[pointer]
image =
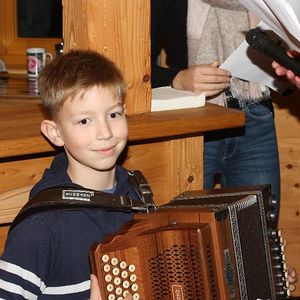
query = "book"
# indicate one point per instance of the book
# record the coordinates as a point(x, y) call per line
point(168, 98)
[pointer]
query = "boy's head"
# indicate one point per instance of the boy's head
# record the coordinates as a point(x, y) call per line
point(74, 73)
point(84, 93)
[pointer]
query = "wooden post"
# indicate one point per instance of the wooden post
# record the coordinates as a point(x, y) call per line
point(120, 30)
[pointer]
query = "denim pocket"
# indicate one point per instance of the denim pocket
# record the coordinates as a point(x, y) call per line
point(262, 110)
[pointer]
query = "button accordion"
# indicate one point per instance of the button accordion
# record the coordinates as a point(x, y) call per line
point(220, 244)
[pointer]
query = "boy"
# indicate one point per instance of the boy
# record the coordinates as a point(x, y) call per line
point(46, 254)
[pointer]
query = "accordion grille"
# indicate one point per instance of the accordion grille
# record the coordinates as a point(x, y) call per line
point(181, 265)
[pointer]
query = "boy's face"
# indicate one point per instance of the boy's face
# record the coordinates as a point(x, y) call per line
point(93, 129)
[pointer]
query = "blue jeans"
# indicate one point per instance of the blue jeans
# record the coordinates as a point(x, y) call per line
point(245, 156)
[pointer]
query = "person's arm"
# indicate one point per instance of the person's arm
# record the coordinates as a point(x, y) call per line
point(28, 250)
point(168, 32)
point(282, 71)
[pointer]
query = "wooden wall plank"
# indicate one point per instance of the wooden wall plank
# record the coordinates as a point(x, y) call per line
point(120, 30)
point(287, 118)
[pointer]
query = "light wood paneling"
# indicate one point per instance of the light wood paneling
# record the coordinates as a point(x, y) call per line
point(120, 30)
point(287, 118)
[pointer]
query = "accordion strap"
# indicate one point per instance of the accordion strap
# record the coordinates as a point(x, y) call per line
point(71, 198)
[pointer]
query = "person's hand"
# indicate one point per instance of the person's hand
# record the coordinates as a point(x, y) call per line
point(292, 274)
point(281, 71)
point(292, 278)
point(95, 290)
point(208, 79)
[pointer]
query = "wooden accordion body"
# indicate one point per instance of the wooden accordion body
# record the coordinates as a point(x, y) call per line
point(201, 245)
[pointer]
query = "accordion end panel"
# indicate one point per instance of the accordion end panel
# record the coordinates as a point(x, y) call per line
point(165, 263)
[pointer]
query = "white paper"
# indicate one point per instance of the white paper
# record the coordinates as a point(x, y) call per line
point(167, 98)
point(249, 64)
point(280, 16)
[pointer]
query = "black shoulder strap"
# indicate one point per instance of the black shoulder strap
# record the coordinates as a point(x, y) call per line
point(68, 198)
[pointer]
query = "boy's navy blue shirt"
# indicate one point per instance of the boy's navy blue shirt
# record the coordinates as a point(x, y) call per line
point(46, 254)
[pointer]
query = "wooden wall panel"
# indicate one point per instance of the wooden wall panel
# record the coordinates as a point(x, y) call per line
point(120, 30)
point(167, 172)
point(287, 118)
point(3, 233)
point(17, 178)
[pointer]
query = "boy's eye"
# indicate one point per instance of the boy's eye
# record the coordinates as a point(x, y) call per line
point(83, 121)
point(115, 115)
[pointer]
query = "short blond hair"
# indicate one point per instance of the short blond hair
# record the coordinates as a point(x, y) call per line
point(74, 73)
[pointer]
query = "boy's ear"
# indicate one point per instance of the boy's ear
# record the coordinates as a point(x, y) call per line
point(51, 131)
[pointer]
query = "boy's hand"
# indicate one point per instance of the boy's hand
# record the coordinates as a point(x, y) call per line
point(292, 278)
point(95, 290)
point(292, 274)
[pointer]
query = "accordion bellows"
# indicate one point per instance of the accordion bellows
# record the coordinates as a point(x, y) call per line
point(218, 244)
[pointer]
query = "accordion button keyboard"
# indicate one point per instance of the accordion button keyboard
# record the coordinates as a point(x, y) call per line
point(120, 278)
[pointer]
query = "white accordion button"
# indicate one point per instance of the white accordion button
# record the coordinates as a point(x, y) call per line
point(105, 258)
point(114, 261)
point(125, 284)
point(136, 296)
point(132, 277)
point(125, 293)
point(123, 264)
point(124, 274)
point(116, 271)
point(117, 280)
point(134, 287)
point(111, 297)
point(131, 268)
point(108, 278)
point(119, 291)
point(106, 268)
point(110, 287)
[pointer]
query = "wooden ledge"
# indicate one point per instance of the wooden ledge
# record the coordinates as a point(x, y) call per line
point(20, 125)
point(193, 121)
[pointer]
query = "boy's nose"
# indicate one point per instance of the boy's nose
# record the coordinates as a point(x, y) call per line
point(103, 131)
